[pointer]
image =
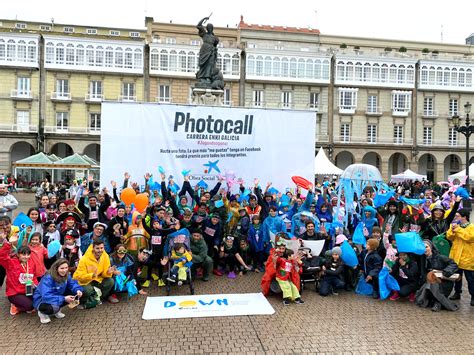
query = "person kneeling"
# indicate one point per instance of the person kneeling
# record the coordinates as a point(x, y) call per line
point(94, 272)
point(285, 264)
point(56, 289)
point(332, 274)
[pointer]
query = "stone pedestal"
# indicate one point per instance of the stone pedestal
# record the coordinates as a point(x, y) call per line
point(208, 97)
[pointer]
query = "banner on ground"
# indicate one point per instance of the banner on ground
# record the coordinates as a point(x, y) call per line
point(206, 306)
point(272, 145)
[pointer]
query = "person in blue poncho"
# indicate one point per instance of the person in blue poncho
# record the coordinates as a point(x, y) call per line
point(298, 223)
point(259, 247)
point(369, 219)
point(56, 289)
point(273, 224)
point(324, 213)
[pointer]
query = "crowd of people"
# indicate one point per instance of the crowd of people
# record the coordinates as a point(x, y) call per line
point(80, 248)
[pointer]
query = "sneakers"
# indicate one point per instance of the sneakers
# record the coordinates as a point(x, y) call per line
point(205, 278)
point(161, 283)
point(334, 292)
point(59, 315)
point(146, 284)
point(299, 301)
point(375, 295)
point(180, 283)
point(231, 275)
point(113, 299)
point(412, 297)
point(395, 296)
point(217, 272)
point(44, 318)
point(154, 277)
point(472, 301)
point(456, 296)
point(171, 279)
point(286, 302)
point(199, 272)
point(436, 307)
point(13, 310)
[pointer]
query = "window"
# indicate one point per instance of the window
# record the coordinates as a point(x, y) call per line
point(164, 91)
point(62, 121)
point(45, 28)
point(24, 86)
point(11, 50)
point(128, 92)
point(114, 33)
point(59, 53)
point(428, 106)
point(94, 122)
point(70, 54)
point(401, 102)
point(195, 42)
point(62, 88)
point(345, 133)
point(313, 99)
point(68, 29)
point(135, 34)
point(23, 121)
point(427, 135)
point(347, 100)
point(453, 107)
point(95, 89)
point(257, 98)
point(286, 97)
point(91, 31)
point(371, 133)
point(20, 26)
point(453, 137)
point(372, 104)
point(170, 40)
point(398, 134)
point(227, 97)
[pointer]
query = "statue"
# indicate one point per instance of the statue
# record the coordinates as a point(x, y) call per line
point(208, 75)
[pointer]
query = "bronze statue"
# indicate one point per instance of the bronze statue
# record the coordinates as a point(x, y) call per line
point(208, 75)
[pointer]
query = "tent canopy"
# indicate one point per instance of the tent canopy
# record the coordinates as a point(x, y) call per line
point(407, 175)
point(323, 165)
point(462, 173)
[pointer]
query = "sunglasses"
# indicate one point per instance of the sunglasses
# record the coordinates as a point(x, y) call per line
point(121, 251)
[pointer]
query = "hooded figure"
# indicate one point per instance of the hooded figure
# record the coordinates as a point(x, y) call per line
point(437, 224)
point(136, 237)
point(369, 218)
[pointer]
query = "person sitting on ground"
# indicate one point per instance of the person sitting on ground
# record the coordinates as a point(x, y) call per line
point(21, 275)
point(200, 258)
point(56, 289)
point(181, 260)
point(405, 271)
point(94, 271)
point(372, 264)
point(332, 274)
point(125, 263)
point(230, 258)
point(434, 290)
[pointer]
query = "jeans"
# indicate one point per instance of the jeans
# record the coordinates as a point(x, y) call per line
point(329, 283)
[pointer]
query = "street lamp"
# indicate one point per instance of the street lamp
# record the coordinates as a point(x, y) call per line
point(467, 129)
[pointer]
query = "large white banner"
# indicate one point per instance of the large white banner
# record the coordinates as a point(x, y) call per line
point(221, 305)
point(272, 145)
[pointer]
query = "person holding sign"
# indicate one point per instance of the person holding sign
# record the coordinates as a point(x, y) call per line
point(21, 276)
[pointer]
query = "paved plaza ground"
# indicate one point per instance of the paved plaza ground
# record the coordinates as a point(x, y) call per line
point(338, 324)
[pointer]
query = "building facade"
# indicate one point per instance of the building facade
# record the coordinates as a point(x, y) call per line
point(382, 102)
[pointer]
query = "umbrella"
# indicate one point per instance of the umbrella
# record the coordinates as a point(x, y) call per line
point(362, 172)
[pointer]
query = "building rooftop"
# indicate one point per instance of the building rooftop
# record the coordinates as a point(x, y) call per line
point(248, 26)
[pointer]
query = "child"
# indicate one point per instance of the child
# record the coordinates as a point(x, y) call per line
point(390, 250)
point(38, 253)
point(71, 252)
point(405, 271)
point(372, 264)
point(257, 244)
point(333, 272)
point(181, 259)
point(285, 264)
point(229, 255)
point(244, 252)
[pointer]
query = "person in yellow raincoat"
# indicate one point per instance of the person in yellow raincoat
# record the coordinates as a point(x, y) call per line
point(461, 233)
point(137, 237)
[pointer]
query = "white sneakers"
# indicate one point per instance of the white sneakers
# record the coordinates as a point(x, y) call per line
point(44, 318)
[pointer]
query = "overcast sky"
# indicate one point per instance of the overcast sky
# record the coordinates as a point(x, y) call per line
point(421, 20)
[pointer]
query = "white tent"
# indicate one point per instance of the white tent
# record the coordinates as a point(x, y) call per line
point(407, 175)
point(323, 165)
point(462, 173)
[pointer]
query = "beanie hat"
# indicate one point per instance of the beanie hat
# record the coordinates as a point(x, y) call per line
point(336, 250)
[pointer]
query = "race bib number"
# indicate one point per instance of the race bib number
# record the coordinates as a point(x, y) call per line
point(94, 215)
point(287, 267)
point(414, 228)
point(302, 230)
point(210, 231)
point(25, 278)
point(156, 240)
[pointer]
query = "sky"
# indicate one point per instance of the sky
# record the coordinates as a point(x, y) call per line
point(418, 20)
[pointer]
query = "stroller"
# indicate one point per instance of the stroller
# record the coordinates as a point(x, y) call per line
point(181, 236)
point(311, 268)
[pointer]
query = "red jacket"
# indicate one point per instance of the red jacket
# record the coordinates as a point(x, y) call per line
point(15, 271)
point(270, 274)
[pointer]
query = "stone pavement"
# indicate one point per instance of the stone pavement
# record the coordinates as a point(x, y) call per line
point(338, 324)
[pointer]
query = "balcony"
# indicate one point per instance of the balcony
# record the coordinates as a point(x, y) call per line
point(94, 98)
point(347, 110)
point(21, 95)
point(379, 140)
point(164, 100)
point(72, 130)
point(317, 107)
point(400, 112)
point(286, 105)
point(430, 114)
point(61, 96)
point(126, 98)
point(443, 143)
point(21, 128)
point(374, 111)
point(257, 104)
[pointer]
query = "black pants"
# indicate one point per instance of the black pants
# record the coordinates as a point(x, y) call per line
point(230, 261)
point(406, 287)
point(469, 275)
point(155, 262)
point(2, 275)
